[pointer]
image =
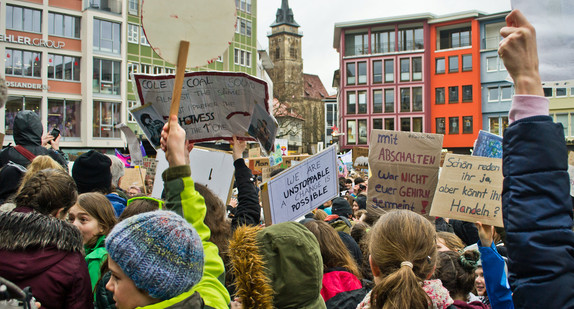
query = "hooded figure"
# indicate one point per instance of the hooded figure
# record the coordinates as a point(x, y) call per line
point(277, 267)
point(28, 134)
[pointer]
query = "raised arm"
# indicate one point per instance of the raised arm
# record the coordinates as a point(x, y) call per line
point(248, 211)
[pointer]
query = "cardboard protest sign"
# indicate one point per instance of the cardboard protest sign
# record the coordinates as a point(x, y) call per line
point(208, 26)
point(133, 177)
point(302, 188)
point(488, 145)
point(404, 169)
point(257, 164)
point(213, 106)
point(254, 152)
point(211, 168)
point(470, 189)
point(360, 157)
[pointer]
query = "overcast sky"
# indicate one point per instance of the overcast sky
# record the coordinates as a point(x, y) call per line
point(317, 19)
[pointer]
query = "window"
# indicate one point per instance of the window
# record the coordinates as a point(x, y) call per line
point(411, 39)
point(439, 95)
point(377, 101)
point(389, 100)
point(466, 63)
point(563, 119)
point(248, 6)
point(389, 71)
point(133, 68)
point(467, 125)
point(362, 102)
point(493, 94)
point(16, 104)
point(440, 129)
point(417, 124)
point(133, 7)
point(145, 68)
point(64, 25)
point(331, 115)
point(572, 92)
point(453, 64)
point(351, 131)
point(131, 105)
point(362, 131)
point(467, 93)
point(244, 5)
point(248, 30)
point(351, 73)
point(107, 75)
point(242, 57)
point(356, 44)
point(405, 69)
point(362, 73)
point(496, 124)
point(106, 116)
point(23, 63)
point(63, 67)
point(377, 124)
point(501, 66)
point(547, 92)
point(157, 70)
point(170, 71)
point(133, 33)
point(506, 93)
point(405, 99)
point(389, 123)
point(452, 125)
point(406, 124)
point(453, 94)
point(23, 19)
point(143, 39)
point(440, 65)
point(491, 64)
point(243, 26)
point(377, 72)
point(351, 102)
point(560, 92)
point(107, 36)
point(417, 99)
point(492, 35)
point(383, 42)
point(454, 38)
point(417, 68)
point(65, 115)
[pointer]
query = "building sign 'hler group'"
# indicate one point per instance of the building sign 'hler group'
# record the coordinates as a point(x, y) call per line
point(24, 40)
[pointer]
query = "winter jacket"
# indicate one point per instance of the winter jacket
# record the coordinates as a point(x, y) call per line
point(248, 211)
point(279, 266)
point(95, 257)
point(104, 299)
point(496, 282)
point(338, 280)
point(184, 200)
point(46, 254)
point(350, 299)
point(118, 202)
point(28, 134)
point(537, 213)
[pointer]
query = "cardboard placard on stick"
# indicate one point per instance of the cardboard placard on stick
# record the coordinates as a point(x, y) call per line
point(179, 74)
point(404, 169)
point(301, 188)
point(133, 177)
point(470, 189)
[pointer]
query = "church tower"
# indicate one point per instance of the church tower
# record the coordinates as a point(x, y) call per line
point(285, 52)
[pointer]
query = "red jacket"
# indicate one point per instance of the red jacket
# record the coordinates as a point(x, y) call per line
point(335, 282)
point(46, 254)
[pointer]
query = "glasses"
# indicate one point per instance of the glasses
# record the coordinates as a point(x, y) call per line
point(159, 202)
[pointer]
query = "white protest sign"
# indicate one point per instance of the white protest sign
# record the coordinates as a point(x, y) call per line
point(571, 174)
point(213, 169)
point(213, 106)
point(301, 188)
point(208, 26)
point(469, 189)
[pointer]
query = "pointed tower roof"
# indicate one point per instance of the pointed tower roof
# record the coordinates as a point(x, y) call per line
point(285, 16)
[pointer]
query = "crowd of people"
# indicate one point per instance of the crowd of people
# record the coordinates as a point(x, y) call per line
point(78, 241)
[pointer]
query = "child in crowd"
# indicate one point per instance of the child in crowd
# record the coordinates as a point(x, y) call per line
point(94, 216)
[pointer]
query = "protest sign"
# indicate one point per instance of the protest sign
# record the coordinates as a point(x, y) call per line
point(283, 145)
point(266, 172)
point(276, 157)
point(347, 159)
point(302, 188)
point(133, 144)
point(469, 189)
point(214, 106)
point(211, 168)
point(488, 145)
point(254, 152)
point(571, 174)
point(404, 169)
point(257, 164)
point(133, 177)
point(360, 157)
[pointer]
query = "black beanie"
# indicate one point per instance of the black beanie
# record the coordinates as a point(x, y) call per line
point(91, 172)
point(361, 201)
point(341, 207)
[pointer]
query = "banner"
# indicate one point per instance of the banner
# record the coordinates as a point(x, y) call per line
point(404, 169)
point(470, 189)
point(213, 106)
point(301, 188)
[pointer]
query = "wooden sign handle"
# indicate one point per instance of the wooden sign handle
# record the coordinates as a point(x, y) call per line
point(179, 75)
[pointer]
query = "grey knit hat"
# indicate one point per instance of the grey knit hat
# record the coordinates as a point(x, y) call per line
point(159, 251)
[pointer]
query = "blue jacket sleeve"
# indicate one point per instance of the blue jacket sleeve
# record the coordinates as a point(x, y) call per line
point(497, 287)
point(537, 212)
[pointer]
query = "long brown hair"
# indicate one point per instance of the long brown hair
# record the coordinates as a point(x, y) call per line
point(99, 207)
point(216, 220)
point(402, 236)
point(333, 250)
point(451, 241)
point(456, 271)
point(47, 191)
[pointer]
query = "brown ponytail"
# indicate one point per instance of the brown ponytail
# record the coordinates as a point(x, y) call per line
point(401, 238)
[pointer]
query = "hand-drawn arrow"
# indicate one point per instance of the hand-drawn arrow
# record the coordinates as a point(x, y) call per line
point(206, 127)
point(210, 174)
point(246, 114)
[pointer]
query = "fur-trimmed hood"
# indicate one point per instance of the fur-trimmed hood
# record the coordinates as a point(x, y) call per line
point(279, 266)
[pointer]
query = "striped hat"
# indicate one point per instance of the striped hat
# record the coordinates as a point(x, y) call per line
point(159, 251)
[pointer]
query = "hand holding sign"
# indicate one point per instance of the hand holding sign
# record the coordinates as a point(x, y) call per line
point(174, 143)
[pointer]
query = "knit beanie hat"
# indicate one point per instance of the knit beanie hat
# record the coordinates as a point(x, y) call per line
point(341, 207)
point(159, 251)
point(91, 172)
